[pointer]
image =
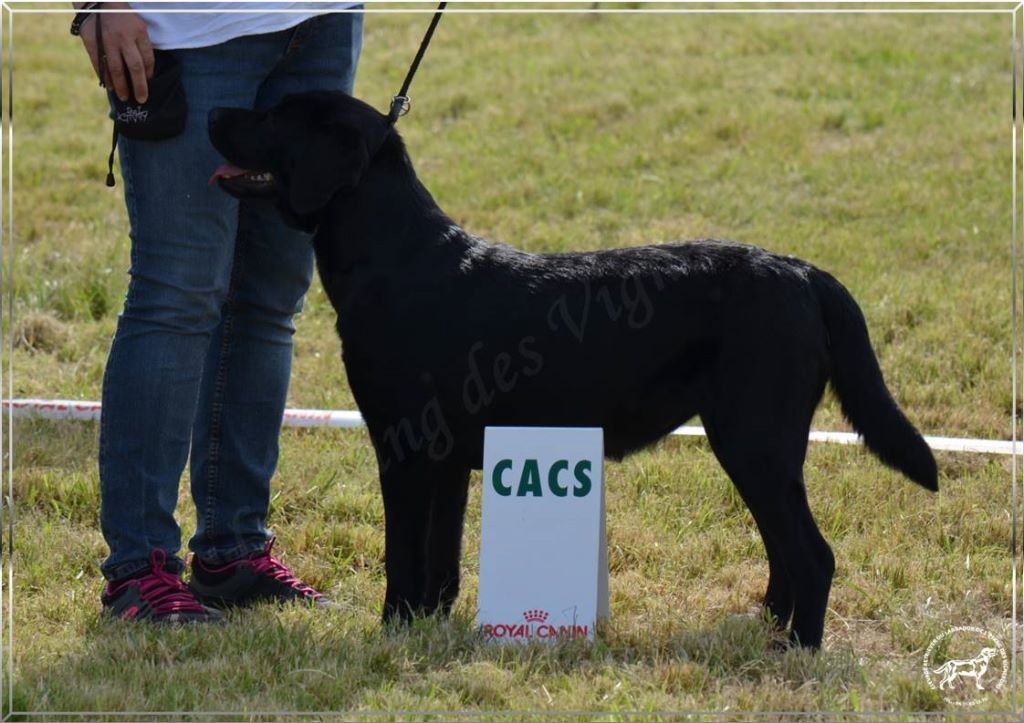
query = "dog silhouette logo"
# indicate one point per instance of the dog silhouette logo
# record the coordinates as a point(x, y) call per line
point(975, 668)
point(964, 663)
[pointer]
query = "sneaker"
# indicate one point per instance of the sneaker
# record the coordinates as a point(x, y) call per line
point(257, 578)
point(155, 595)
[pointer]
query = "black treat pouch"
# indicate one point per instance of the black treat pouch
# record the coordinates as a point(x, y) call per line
point(163, 114)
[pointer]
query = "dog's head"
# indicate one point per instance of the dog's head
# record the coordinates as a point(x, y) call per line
point(302, 152)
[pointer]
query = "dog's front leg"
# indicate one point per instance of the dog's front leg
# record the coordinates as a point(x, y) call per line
point(444, 537)
point(407, 496)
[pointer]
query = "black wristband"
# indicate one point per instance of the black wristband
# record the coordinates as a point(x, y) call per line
point(81, 16)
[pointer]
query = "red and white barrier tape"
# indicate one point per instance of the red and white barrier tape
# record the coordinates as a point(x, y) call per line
point(65, 409)
point(68, 409)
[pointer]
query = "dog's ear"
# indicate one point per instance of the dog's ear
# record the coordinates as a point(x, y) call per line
point(333, 160)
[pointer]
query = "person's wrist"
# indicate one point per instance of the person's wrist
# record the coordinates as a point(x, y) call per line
point(85, 11)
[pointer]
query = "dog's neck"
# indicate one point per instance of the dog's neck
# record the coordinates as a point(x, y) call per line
point(388, 218)
point(387, 221)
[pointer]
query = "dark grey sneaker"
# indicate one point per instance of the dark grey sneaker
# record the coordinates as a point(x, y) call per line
point(257, 578)
point(155, 596)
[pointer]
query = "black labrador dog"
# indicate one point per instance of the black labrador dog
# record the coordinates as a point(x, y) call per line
point(444, 333)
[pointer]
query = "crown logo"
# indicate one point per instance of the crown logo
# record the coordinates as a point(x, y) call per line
point(535, 616)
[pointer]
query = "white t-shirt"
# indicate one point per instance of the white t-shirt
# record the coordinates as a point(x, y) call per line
point(200, 29)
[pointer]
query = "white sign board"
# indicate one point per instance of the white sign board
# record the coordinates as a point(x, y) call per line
point(543, 554)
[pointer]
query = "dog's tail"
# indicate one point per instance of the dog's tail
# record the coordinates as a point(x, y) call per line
point(862, 393)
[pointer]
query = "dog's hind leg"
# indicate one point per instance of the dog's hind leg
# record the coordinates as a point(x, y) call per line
point(764, 458)
point(812, 579)
point(444, 539)
point(800, 562)
point(778, 598)
point(808, 558)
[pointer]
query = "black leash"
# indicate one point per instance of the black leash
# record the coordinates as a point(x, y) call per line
point(102, 57)
point(400, 103)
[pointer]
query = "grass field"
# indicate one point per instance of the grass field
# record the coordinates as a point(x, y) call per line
point(877, 147)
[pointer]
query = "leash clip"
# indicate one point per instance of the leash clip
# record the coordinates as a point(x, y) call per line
point(400, 105)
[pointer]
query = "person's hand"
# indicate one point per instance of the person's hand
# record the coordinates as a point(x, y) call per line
point(127, 48)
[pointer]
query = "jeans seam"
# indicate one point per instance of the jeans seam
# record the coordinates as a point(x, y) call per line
point(103, 453)
point(105, 418)
point(131, 205)
point(217, 403)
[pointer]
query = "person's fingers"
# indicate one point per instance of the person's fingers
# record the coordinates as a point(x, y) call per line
point(115, 67)
point(136, 70)
point(146, 51)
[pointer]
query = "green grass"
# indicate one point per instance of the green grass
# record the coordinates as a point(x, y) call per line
point(876, 147)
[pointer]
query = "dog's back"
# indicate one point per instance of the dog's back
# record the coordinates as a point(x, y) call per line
point(663, 332)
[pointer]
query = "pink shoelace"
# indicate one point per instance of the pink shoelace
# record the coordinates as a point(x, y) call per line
point(164, 591)
point(265, 563)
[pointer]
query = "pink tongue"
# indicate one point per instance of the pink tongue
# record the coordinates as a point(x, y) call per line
point(226, 171)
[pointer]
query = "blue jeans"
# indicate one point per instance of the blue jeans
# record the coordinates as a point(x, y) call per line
point(202, 352)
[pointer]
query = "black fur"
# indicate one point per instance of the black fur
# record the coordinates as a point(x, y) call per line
point(444, 333)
